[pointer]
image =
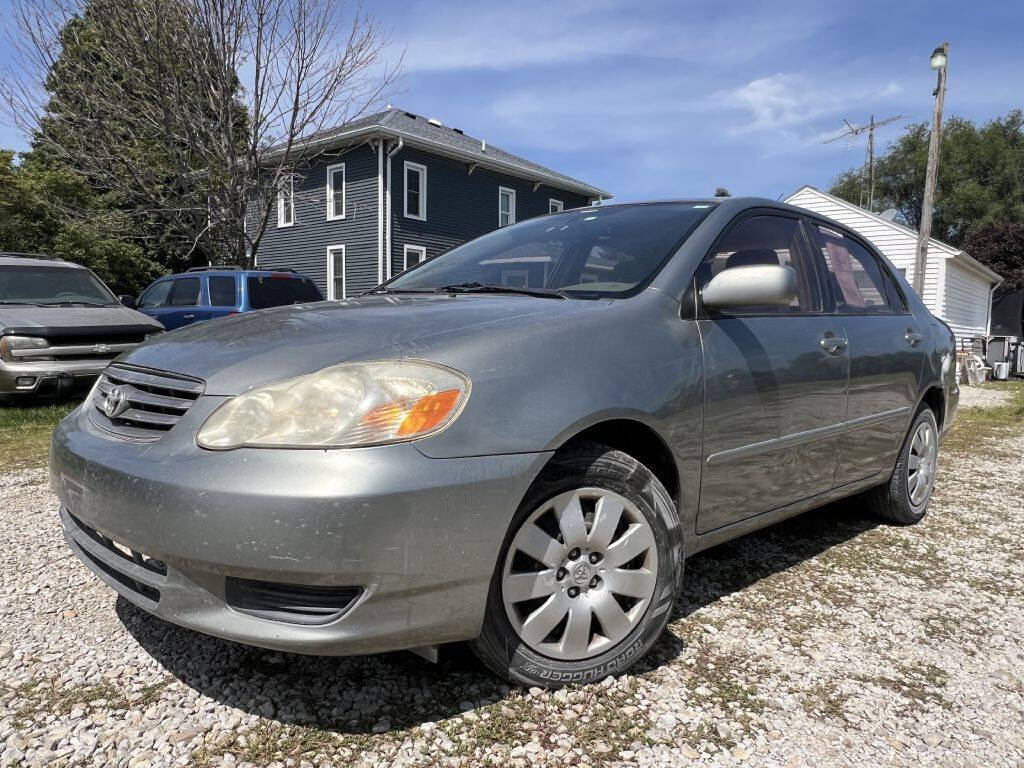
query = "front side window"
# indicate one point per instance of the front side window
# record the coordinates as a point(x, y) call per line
point(156, 295)
point(555, 206)
point(769, 240)
point(506, 206)
point(584, 253)
point(185, 292)
point(336, 191)
point(222, 290)
point(855, 274)
point(415, 191)
point(286, 202)
point(31, 284)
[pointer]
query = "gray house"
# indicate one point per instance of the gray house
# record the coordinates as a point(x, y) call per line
point(394, 188)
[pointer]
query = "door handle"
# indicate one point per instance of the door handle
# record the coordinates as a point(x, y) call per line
point(912, 337)
point(187, 317)
point(833, 344)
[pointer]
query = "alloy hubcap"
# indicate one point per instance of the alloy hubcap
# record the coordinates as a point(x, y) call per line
point(922, 463)
point(580, 574)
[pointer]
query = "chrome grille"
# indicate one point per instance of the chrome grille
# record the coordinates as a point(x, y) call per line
point(148, 403)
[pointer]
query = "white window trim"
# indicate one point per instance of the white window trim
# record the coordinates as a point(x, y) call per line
point(418, 249)
point(421, 214)
point(555, 206)
point(330, 273)
point(331, 170)
point(511, 208)
point(281, 223)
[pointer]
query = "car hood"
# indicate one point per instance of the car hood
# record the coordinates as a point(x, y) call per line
point(236, 353)
point(71, 320)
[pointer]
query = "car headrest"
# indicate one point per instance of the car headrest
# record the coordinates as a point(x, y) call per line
point(751, 257)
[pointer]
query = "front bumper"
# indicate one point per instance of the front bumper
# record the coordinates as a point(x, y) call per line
point(418, 536)
point(48, 376)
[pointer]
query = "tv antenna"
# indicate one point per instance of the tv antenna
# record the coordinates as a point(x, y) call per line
point(856, 130)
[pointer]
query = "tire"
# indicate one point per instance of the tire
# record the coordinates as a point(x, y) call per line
point(594, 481)
point(901, 501)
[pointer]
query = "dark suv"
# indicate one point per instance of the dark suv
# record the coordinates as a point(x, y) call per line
point(204, 293)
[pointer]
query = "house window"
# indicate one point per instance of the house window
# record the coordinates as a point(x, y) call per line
point(336, 273)
point(286, 202)
point(336, 191)
point(412, 255)
point(555, 206)
point(506, 206)
point(415, 191)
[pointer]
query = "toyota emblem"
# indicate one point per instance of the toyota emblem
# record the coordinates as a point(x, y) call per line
point(116, 402)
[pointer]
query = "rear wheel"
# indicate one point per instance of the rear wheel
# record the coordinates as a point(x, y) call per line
point(904, 499)
point(587, 574)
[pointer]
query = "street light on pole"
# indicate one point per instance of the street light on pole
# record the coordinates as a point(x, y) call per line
point(939, 61)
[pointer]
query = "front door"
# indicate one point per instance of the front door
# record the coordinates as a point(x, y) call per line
point(886, 352)
point(775, 382)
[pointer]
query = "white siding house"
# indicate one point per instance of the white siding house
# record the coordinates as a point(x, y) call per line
point(957, 288)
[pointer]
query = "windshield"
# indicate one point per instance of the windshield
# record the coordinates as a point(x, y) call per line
point(604, 251)
point(27, 284)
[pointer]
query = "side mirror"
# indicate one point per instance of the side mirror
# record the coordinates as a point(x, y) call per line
point(128, 301)
point(757, 285)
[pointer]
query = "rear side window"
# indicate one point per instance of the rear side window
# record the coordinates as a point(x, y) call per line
point(185, 292)
point(156, 295)
point(268, 291)
point(774, 240)
point(222, 291)
point(855, 274)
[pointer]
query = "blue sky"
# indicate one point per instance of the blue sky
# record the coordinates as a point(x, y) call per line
point(654, 99)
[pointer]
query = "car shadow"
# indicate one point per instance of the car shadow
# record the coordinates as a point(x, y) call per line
point(394, 691)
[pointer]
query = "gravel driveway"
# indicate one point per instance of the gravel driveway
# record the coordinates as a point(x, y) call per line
point(826, 640)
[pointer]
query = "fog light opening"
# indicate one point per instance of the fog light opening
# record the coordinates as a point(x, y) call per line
point(25, 382)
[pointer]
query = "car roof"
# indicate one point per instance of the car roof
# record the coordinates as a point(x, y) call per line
point(8, 258)
point(232, 272)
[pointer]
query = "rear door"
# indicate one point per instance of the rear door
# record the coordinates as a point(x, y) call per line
point(222, 291)
point(775, 381)
point(886, 351)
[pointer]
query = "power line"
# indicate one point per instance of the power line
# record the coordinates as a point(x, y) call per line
point(857, 130)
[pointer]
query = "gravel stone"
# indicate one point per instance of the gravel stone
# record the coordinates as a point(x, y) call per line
point(826, 640)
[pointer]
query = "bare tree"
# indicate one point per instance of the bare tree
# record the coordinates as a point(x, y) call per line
point(193, 113)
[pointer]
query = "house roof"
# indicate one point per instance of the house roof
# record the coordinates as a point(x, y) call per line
point(938, 245)
point(419, 131)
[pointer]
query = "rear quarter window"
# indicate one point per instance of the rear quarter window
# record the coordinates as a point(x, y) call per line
point(267, 291)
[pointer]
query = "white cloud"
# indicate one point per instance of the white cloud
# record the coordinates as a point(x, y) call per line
point(504, 37)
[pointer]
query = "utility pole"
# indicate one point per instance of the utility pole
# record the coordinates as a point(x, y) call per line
point(939, 61)
point(856, 130)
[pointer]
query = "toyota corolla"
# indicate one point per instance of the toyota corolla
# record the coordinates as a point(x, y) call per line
point(516, 444)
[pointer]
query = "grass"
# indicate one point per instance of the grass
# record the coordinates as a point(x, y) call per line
point(25, 434)
point(976, 426)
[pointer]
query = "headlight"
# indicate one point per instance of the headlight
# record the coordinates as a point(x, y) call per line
point(10, 343)
point(345, 405)
point(151, 335)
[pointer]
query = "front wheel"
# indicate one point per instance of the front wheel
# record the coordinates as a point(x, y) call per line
point(904, 499)
point(587, 574)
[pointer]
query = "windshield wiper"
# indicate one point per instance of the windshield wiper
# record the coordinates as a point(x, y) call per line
point(475, 287)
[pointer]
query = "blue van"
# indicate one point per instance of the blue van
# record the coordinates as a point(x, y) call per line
point(204, 293)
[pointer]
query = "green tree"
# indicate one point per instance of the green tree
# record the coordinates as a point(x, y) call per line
point(33, 199)
point(722, 192)
point(981, 176)
point(1000, 246)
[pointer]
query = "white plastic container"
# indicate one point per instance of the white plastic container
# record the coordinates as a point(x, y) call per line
point(1001, 371)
